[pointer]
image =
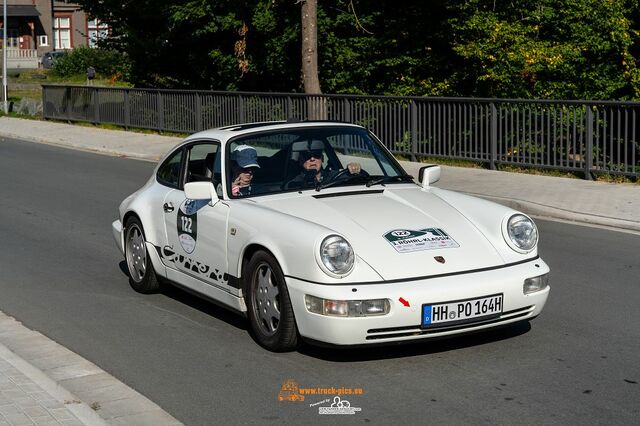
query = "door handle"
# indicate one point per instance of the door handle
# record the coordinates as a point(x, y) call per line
point(168, 207)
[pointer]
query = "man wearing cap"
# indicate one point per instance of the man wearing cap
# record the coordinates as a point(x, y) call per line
point(244, 161)
point(312, 171)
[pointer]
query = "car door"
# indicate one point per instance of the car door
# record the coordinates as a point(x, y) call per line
point(196, 230)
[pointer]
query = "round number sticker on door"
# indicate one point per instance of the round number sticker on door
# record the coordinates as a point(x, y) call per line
point(188, 225)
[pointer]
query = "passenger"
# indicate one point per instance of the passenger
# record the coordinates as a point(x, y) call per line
point(313, 173)
point(244, 161)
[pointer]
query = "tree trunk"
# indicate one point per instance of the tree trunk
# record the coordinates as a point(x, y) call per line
point(316, 105)
point(310, 46)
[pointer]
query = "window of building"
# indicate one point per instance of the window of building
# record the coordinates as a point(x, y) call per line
point(43, 40)
point(96, 31)
point(62, 32)
point(12, 37)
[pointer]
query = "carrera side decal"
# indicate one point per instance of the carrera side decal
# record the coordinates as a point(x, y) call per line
point(168, 254)
point(406, 240)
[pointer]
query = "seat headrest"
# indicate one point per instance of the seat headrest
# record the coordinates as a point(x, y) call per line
point(210, 162)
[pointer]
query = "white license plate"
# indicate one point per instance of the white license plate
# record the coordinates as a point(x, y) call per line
point(461, 311)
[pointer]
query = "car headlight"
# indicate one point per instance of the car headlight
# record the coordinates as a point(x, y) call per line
point(336, 255)
point(522, 233)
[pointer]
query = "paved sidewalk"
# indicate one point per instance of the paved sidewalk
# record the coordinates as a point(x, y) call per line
point(24, 401)
point(43, 383)
point(598, 203)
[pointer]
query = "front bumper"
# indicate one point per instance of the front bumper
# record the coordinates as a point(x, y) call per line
point(116, 229)
point(403, 323)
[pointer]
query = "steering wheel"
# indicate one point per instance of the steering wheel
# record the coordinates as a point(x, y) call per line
point(345, 172)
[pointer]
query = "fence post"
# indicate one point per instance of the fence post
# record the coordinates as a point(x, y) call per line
point(127, 110)
point(160, 120)
point(414, 130)
point(96, 106)
point(241, 109)
point(198, 112)
point(289, 109)
point(494, 137)
point(44, 102)
point(67, 93)
point(347, 110)
point(588, 155)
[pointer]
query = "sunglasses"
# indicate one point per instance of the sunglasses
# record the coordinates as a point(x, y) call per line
point(308, 155)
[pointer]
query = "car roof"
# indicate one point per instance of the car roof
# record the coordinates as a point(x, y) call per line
point(223, 134)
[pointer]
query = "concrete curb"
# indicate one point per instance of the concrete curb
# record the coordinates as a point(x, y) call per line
point(536, 209)
point(80, 409)
point(80, 147)
point(74, 381)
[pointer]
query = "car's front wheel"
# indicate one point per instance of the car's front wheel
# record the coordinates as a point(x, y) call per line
point(142, 276)
point(268, 304)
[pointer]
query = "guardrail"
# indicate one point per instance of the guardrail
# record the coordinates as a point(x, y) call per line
point(577, 136)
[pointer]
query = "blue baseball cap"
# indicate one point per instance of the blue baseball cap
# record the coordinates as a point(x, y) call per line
point(246, 156)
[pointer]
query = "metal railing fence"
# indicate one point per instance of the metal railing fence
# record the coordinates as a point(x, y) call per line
point(577, 136)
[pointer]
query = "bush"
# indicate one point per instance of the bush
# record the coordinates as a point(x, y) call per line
point(107, 63)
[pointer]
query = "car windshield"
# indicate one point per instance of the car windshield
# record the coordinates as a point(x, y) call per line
point(297, 159)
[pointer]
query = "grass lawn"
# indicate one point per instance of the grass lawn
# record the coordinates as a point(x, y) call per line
point(27, 83)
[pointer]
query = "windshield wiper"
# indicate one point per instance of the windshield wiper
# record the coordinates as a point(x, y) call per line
point(371, 180)
point(387, 179)
point(343, 179)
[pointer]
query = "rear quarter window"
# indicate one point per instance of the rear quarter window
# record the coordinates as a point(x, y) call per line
point(169, 171)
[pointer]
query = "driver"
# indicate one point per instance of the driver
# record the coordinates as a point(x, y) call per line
point(313, 173)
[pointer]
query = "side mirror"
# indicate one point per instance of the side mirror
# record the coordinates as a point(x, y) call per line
point(200, 191)
point(429, 174)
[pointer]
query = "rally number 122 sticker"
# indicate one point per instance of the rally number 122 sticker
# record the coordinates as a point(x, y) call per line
point(188, 225)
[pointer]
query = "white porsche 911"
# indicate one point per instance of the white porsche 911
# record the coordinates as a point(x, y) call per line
point(315, 231)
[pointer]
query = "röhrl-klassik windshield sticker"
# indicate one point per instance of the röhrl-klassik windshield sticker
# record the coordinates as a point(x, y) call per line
point(406, 240)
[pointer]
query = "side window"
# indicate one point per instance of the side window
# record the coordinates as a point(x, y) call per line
point(169, 171)
point(203, 163)
point(355, 148)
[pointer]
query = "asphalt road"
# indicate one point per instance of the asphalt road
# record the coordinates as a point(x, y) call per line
point(61, 274)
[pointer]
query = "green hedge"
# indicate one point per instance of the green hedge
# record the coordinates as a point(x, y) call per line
point(107, 63)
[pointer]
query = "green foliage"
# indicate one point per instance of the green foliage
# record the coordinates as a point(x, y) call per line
point(107, 62)
point(516, 49)
point(384, 48)
point(546, 49)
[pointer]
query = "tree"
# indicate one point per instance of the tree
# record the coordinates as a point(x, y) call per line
point(515, 48)
point(385, 47)
point(309, 19)
point(545, 49)
point(139, 29)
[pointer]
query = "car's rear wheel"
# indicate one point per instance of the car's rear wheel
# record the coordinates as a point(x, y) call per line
point(142, 276)
point(269, 307)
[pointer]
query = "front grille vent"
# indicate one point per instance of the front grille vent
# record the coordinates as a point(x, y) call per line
point(395, 332)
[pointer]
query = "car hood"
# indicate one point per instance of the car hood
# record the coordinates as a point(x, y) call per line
point(402, 233)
